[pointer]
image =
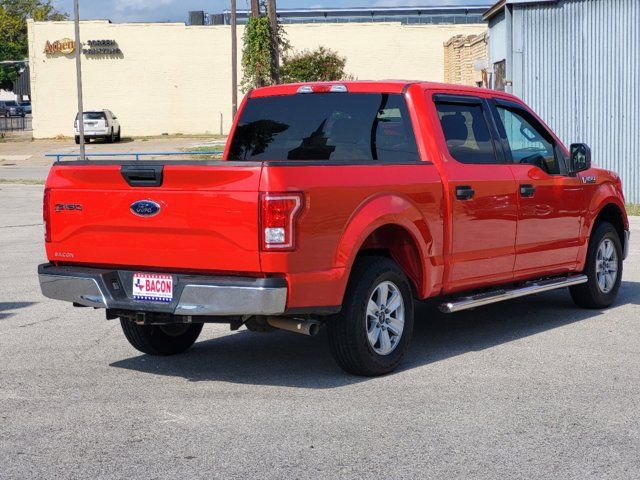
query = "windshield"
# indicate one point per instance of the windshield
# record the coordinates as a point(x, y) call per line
point(11, 103)
point(328, 126)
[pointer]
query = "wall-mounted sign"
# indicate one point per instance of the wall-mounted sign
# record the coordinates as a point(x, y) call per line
point(64, 46)
point(101, 47)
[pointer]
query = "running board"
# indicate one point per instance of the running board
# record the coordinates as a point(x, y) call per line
point(473, 301)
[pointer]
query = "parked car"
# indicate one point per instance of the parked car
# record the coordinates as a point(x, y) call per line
point(10, 108)
point(26, 106)
point(338, 205)
point(99, 124)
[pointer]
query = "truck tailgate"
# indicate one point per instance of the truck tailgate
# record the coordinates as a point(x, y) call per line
point(207, 218)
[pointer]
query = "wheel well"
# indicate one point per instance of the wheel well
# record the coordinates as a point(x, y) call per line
point(611, 213)
point(395, 242)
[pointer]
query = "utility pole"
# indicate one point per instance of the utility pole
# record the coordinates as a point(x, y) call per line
point(78, 50)
point(234, 61)
point(275, 48)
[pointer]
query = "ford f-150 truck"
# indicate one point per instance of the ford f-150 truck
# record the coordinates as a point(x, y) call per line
point(338, 205)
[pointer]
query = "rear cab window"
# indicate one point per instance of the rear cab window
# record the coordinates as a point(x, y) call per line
point(337, 127)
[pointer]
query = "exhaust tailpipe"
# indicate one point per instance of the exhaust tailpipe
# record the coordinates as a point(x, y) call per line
point(295, 325)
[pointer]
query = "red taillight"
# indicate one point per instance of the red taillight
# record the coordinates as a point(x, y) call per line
point(278, 214)
point(46, 214)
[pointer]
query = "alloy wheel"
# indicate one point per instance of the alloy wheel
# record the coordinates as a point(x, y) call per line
point(385, 318)
point(606, 265)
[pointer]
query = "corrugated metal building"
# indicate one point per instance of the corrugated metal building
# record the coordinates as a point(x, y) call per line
point(577, 64)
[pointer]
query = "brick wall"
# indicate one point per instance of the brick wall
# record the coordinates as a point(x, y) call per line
point(459, 53)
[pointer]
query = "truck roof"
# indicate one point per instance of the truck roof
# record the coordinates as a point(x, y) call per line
point(371, 86)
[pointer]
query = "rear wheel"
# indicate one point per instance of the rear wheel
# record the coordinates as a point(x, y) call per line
point(118, 134)
point(603, 269)
point(110, 137)
point(161, 339)
point(77, 140)
point(372, 332)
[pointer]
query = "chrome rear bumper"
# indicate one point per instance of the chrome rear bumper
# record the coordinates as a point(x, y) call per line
point(193, 294)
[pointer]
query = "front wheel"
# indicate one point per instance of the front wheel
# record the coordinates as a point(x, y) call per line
point(603, 268)
point(161, 339)
point(372, 332)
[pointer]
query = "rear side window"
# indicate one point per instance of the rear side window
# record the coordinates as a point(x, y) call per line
point(343, 127)
point(467, 134)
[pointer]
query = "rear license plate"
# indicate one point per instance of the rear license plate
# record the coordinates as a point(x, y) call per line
point(152, 286)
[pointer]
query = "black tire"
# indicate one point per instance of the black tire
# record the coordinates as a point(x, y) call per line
point(590, 294)
point(77, 140)
point(161, 339)
point(347, 330)
point(118, 135)
point(109, 138)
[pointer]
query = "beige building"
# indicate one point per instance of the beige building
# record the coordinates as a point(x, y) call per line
point(172, 78)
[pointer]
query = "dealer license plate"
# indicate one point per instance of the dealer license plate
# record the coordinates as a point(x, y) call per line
point(152, 286)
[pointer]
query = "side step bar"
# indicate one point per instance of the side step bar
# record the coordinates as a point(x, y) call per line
point(495, 296)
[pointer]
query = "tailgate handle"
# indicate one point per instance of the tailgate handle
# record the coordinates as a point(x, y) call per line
point(139, 176)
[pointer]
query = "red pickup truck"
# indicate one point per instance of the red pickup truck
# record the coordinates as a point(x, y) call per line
point(338, 205)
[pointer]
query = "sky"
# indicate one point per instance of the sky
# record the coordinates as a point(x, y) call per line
point(176, 10)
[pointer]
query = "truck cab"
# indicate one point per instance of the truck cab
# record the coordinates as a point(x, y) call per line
point(338, 205)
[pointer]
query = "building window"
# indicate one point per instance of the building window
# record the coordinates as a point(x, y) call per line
point(499, 75)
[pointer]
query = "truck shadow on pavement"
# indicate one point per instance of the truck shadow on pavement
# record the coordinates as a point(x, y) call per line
point(7, 308)
point(290, 360)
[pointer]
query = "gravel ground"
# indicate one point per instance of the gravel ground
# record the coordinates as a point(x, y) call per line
point(533, 388)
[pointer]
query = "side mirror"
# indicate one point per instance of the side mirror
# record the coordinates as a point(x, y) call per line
point(580, 158)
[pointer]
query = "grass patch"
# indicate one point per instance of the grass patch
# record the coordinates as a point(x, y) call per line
point(633, 209)
point(204, 149)
point(21, 181)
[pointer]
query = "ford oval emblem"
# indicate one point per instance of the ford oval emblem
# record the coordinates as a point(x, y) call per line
point(145, 208)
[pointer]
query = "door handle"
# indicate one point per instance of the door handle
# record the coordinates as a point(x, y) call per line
point(527, 190)
point(464, 192)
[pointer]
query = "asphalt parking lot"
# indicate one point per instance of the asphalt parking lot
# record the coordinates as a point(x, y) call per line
point(24, 159)
point(534, 388)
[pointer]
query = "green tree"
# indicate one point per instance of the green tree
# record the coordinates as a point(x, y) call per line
point(13, 32)
point(320, 65)
point(257, 51)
